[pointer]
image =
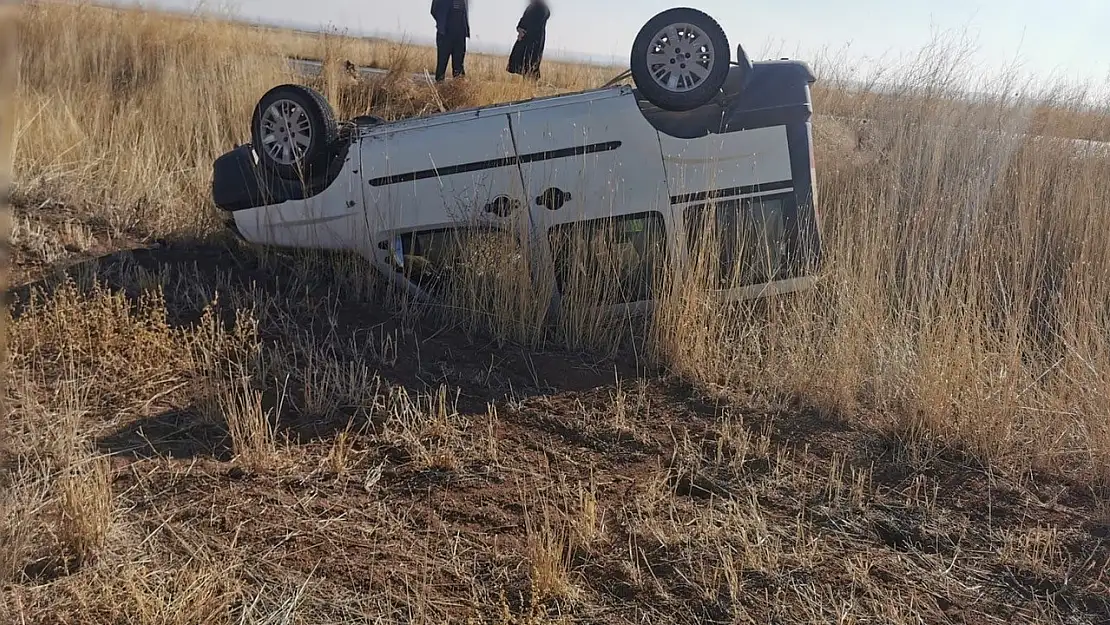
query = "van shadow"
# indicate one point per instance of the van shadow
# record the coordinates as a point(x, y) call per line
point(179, 434)
point(174, 266)
point(304, 303)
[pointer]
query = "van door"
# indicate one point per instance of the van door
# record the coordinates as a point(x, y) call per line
point(433, 189)
point(594, 179)
point(736, 193)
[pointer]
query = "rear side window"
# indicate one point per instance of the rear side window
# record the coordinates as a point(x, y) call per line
point(740, 242)
point(609, 261)
point(438, 259)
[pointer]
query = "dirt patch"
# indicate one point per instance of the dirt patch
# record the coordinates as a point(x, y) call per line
point(421, 475)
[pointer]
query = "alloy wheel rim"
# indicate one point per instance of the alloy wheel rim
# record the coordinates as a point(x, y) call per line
point(680, 57)
point(286, 132)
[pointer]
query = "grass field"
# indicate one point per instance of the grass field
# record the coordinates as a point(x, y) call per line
point(199, 431)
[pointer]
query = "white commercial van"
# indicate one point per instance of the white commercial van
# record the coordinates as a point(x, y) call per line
point(699, 136)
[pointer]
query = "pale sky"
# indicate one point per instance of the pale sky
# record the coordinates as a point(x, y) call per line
point(1046, 38)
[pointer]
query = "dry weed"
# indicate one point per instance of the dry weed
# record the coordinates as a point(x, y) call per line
point(550, 548)
point(86, 507)
point(9, 79)
point(955, 341)
point(20, 505)
point(249, 424)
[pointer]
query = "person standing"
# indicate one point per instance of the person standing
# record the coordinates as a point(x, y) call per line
point(452, 30)
point(531, 36)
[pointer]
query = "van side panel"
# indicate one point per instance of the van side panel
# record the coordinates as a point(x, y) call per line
point(806, 229)
point(325, 214)
point(778, 94)
point(726, 165)
point(420, 177)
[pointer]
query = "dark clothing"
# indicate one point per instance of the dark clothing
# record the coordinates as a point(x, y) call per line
point(452, 30)
point(528, 51)
point(451, 47)
point(452, 16)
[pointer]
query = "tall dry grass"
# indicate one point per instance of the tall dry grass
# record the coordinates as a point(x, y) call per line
point(122, 112)
point(962, 303)
point(405, 56)
point(964, 293)
point(963, 298)
point(123, 124)
point(9, 76)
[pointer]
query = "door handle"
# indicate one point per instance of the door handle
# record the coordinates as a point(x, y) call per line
point(501, 206)
point(553, 198)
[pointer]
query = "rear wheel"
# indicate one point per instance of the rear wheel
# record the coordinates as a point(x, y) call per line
point(293, 130)
point(680, 59)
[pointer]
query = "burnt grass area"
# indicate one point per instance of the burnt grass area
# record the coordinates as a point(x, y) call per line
point(465, 479)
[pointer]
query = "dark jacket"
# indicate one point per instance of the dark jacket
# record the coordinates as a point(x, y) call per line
point(441, 11)
point(528, 52)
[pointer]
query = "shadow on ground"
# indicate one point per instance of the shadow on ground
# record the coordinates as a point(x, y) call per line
point(314, 296)
point(179, 434)
point(569, 418)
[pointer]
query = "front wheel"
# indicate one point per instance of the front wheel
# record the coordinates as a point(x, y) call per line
point(293, 130)
point(680, 59)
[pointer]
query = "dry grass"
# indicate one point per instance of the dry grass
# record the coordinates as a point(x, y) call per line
point(334, 47)
point(123, 126)
point(9, 77)
point(199, 432)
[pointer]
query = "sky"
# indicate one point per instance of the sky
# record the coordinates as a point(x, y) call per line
point(1044, 39)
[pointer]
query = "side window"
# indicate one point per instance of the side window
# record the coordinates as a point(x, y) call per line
point(741, 242)
point(609, 261)
point(436, 260)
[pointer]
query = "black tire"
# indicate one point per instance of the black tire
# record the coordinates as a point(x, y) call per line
point(702, 90)
point(322, 136)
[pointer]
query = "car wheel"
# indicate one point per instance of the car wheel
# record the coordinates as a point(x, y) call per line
point(680, 59)
point(293, 130)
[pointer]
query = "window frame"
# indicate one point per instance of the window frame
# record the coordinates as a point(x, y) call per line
point(428, 288)
point(692, 216)
point(645, 294)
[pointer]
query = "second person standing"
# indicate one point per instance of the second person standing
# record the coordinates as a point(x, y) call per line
point(531, 36)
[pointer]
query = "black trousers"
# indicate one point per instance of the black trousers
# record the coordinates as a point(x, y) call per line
point(450, 46)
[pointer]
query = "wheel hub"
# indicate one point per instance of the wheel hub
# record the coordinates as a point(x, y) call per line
point(286, 132)
point(681, 57)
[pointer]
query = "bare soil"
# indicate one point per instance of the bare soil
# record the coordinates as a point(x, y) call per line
point(552, 485)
